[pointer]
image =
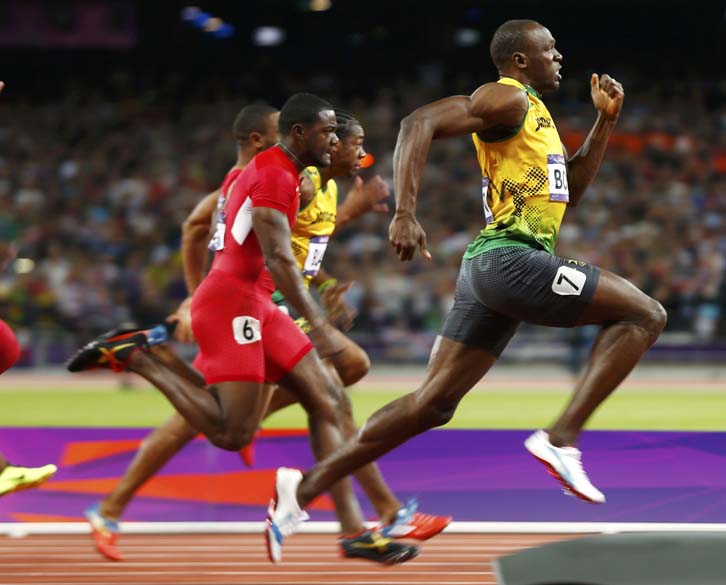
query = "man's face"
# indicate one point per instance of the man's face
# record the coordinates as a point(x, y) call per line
point(348, 153)
point(320, 138)
point(543, 60)
point(272, 132)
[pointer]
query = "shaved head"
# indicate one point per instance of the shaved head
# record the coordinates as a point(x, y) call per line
point(511, 37)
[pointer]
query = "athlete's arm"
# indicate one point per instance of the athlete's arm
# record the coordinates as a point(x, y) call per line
point(273, 233)
point(491, 110)
point(195, 237)
point(607, 96)
point(362, 198)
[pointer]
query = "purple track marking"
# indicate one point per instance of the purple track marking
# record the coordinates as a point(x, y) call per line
point(471, 475)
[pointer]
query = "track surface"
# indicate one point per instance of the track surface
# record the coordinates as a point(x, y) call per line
point(449, 559)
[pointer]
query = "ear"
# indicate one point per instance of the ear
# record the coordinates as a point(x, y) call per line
point(256, 140)
point(519, 60)
point(298, 132)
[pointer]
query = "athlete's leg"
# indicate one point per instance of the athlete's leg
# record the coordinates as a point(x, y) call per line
point(167, 356)
point(369, 477)
point(350, 365)
point(454, 370)
point(228, 413)
point(155, 451)
point(318, 394)
point(353, 363)
point(3, 462)
point(631, 322)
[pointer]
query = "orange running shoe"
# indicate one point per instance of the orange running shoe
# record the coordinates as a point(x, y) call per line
point(410, 523)
point(104, 533)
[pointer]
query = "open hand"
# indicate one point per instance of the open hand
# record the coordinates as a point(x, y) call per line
point(607, 95)
point(365, 197)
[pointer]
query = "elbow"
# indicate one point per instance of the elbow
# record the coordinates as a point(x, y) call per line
point(278, 261)
point(414, 120)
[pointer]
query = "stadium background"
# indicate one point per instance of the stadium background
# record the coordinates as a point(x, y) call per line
point(116, 118)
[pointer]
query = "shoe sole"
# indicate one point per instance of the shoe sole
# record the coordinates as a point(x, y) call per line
point(398, 559)
point(268, 531)
point(554, 473)
point(426, 535)
point(82, 361)
point(111, 555)
point(27, 486)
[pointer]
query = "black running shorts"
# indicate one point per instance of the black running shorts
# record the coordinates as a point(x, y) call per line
point(498, 289)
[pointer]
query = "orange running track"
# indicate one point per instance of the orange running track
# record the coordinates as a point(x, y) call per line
point(449, 559)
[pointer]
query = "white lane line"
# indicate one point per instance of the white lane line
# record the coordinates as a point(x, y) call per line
point(346, 582)
point(222, 573)
point(132, 546)
point(97, 559)
point(205, 563)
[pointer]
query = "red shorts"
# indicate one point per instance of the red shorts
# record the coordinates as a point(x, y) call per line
point(242, 334)
point(9, 347)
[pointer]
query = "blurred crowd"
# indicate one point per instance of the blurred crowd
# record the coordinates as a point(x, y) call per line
point(94, 187)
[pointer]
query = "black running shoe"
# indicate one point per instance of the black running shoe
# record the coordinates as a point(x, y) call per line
point(108, 352)
point(371, 545)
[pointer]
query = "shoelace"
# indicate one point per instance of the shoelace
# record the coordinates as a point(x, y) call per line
point(407, 512)
point(575, 457)
point(289, 522)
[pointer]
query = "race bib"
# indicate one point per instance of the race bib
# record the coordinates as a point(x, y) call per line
point(488, 215)
point(316, 251)
point(557, 172)
point(217, 242)
point(568, 282)
point(246, 329)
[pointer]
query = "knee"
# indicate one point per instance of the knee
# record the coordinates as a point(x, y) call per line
point(234, 440)
point(654, 320)
point(434, 412)
point(355, 368)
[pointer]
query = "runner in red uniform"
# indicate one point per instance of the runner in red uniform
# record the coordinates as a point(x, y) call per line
point(246, 340)
point(12, 477)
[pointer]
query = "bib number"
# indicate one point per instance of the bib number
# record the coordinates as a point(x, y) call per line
point(568, 282)
point(488, 215)
point(246, 330)
point(557, 171)
point(216, 243)
point(316, 251)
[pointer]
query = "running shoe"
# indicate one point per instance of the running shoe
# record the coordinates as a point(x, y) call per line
point(106, 351)
point(283, 513)
point(409, 523)
point(155, 335)
point(371, 545)
point(14, 478)
point(104, 533)
point(565, 465)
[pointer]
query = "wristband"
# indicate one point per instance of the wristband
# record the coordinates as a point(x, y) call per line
point(327, 283)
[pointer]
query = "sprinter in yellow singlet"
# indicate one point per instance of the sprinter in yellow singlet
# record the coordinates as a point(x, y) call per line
point(509, 272)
